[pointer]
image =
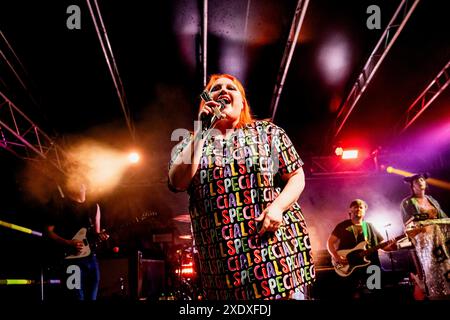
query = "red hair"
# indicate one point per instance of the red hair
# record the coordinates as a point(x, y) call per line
point(246, 116)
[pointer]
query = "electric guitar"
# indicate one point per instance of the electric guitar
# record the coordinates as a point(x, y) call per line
point(356, 257)
point(83, 235)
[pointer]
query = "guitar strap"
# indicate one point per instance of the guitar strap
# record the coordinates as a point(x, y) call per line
point(366, 233)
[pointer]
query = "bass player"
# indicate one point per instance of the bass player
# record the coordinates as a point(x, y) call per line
point(349, 234)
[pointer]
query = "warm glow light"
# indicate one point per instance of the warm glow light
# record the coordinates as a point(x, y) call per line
point(435, 182)
point(350, 154)
point(98, 165)
point(404, 173)
point(185, 271)
point(385, 220)
point(339, 151)
point(133, 157)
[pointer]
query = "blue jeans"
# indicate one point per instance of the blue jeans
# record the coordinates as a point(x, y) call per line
point(90, 278)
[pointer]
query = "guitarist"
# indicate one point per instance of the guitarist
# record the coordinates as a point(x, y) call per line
point(346, 235)
point(70, 215)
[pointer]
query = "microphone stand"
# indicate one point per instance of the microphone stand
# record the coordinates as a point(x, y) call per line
point(390, 253)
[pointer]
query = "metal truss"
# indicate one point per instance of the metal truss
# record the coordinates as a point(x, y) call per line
point(111, 62)
point(334, 166)
point(20, 136)
point(374, 164)
point(397, 23)
point(204, 53)
point(296, 25)
point(431, 92)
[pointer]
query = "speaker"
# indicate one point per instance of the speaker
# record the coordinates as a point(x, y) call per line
point(151, 279)
point(115, 278)
point(131, 278)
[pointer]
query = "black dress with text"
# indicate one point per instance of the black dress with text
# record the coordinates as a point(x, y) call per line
point(236, 180)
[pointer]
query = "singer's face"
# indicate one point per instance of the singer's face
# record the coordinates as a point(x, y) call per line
point(224, 88)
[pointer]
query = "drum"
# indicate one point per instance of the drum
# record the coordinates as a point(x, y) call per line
point(431, 239)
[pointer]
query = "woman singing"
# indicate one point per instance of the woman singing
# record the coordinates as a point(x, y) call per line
point(244, 177)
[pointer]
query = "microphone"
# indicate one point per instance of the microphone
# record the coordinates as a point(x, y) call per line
point(208, 120)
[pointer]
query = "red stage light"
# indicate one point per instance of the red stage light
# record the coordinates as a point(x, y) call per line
point(350, 154)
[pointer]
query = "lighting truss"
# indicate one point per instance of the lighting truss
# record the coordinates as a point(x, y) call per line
point(397, 23)
point(296, 25)
point(204, 53)
point(20, 136)
point(431, 92)
point(111, 62)
point(334, 166)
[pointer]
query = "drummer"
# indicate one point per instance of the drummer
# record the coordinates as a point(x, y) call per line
point(419, 206)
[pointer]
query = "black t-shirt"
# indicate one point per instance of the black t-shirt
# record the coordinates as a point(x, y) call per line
point(350, 235)
point(70, 216)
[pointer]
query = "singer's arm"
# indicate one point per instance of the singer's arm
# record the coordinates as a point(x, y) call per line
point(186, 164)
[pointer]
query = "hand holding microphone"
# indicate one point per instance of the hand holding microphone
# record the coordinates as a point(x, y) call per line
point(211, 111)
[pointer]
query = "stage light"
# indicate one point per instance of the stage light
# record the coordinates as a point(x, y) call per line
point(435, 182)
point(346, 153)
point(350, 154)
point(133, 157)
point(185, 270)
point(333, 59)
point(338, 151)
point(399, 172)
point(101, 166)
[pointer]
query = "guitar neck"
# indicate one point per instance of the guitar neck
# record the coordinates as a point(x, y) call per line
point(381, 245)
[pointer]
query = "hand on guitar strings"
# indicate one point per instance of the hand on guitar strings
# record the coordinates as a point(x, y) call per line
point(76, 244)
point(102, 236)
point(341, 259)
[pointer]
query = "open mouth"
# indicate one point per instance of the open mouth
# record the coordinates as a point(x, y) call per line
point(225, 99)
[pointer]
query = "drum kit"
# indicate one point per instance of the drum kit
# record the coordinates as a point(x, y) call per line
point(184, 280)
point(183, 277)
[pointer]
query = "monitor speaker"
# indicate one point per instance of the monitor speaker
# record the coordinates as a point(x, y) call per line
point(151, 279)
point(116, 278)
